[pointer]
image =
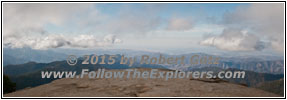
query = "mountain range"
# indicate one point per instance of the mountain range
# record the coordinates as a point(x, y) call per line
point(261, 64)
point(25, 70)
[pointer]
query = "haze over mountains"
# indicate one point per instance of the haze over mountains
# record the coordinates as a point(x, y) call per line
point(260, 63)
point(24, 55)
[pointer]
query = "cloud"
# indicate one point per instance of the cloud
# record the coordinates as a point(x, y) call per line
point(24, 26)
point(179, 24)
point(264, 20)
point(235, 40)
point(56, 41)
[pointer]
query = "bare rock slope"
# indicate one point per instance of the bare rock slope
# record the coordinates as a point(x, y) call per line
point(140, 88)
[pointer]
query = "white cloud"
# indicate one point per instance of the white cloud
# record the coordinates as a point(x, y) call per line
point(56, 41)
point(24, 26)
point(265, 20)
point(25, 23)
point(235, 40)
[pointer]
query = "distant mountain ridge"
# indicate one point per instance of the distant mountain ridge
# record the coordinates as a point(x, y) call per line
point(261, 64)
point(13, 56)
point(29, 74)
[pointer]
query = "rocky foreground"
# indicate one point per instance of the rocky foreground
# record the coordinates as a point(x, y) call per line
point(140, 88)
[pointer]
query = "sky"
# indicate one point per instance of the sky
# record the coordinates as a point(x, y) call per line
point(206, 27)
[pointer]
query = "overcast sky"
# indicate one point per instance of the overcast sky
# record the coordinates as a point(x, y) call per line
point(222, 27)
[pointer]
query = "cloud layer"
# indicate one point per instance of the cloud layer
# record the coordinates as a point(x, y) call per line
point(247, 28)
point(55, 41)
point(235, 40)
point(25, 26)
